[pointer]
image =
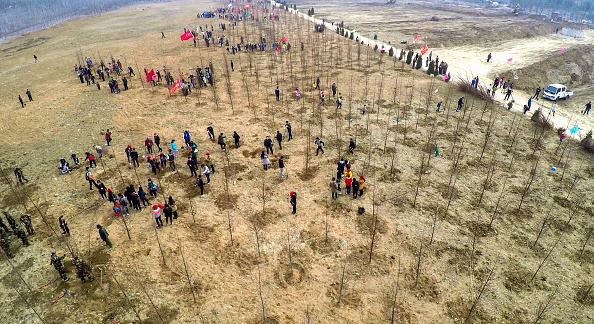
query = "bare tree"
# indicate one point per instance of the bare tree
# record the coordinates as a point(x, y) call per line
point(480, 294)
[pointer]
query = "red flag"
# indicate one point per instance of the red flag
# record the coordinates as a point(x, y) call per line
point(149, 76)
point(416, 37)
point(284, 39)
point(424, 50)
point(175, 86)
point(187, 35)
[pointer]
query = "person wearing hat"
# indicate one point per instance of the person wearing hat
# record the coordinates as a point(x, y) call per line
point(355, 185)
point(134, 200)
point(56, 261)
point(348, 173)
point(157, 213)
point(293, 201)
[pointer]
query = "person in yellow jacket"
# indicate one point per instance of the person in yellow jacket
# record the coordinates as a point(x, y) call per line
point(348, 173)
point(361, 185)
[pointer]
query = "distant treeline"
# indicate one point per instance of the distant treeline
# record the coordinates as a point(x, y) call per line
point(19, 16)
point(575, 10)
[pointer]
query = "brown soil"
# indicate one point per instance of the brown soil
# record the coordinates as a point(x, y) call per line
point(228, 279)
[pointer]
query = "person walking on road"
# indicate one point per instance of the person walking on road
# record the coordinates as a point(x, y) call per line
point(587, 108)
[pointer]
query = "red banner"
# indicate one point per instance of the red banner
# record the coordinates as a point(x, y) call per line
point(175, 86)
point(424, 50)
point(187, 35)
point(149, 76)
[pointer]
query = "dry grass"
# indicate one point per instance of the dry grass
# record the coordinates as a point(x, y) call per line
point(71, 117)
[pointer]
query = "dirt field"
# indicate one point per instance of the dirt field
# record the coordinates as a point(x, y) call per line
point(439, 252)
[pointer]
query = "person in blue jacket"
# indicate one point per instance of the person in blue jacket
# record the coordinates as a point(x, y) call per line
point(174, 148)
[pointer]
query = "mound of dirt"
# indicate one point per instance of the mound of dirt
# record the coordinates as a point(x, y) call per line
point(573, 67)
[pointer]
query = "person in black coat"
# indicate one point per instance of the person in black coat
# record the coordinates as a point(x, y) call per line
point(200, 184)
point(268, 145)
point(279, 139)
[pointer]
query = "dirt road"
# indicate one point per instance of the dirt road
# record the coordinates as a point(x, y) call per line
point(469, 58)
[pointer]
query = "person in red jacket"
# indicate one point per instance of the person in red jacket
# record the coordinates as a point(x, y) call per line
point(347, 182)
point(107, 137)
point(148, 143)
point(91, 158)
